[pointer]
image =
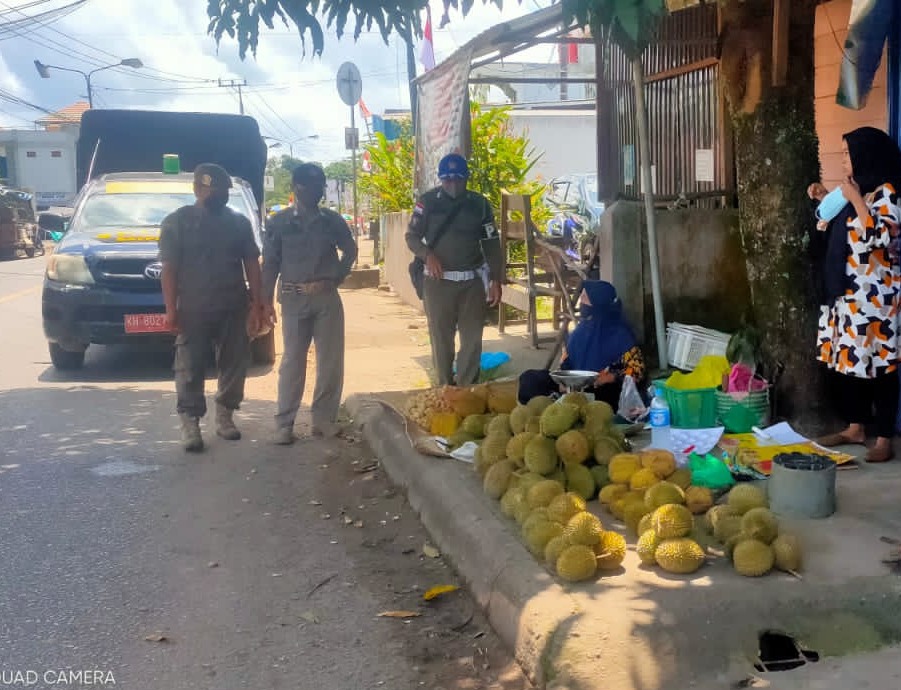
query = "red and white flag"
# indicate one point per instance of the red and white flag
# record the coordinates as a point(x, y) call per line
point(364, 111)
point(427, 52)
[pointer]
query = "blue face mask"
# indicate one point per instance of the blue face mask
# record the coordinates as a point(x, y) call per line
point(831, 205)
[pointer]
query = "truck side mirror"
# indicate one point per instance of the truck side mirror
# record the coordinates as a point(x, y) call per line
point(51, 222)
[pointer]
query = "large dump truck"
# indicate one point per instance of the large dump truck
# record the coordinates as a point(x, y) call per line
point(18, 227)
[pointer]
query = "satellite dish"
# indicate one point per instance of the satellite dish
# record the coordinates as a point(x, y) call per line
point(350, 83)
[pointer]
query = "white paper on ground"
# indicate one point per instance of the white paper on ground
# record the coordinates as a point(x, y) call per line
point(466, 452)
point(703, 440)
point(782, 435)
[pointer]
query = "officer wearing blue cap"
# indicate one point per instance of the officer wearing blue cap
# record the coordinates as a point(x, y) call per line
point(452, 231)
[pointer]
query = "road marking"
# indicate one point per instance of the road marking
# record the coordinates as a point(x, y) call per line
point(20, 293)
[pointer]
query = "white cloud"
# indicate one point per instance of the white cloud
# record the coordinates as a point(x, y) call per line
point(291, 97)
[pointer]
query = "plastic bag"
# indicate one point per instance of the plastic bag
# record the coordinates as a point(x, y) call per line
point(709, 471)
point(631, 406)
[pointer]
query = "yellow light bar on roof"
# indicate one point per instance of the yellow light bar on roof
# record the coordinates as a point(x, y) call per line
point(149, 187)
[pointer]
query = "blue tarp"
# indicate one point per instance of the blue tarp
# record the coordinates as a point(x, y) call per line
point(868, 29)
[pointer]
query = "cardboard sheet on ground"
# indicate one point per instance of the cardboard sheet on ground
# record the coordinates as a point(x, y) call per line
point(419, 438)
point(758, 450)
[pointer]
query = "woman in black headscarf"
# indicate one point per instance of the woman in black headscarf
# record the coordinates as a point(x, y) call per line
point(860, 283)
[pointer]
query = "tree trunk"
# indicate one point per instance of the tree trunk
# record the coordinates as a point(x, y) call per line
point(776, 158)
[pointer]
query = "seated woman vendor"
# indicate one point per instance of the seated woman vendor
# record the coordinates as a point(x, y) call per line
point(602, 342)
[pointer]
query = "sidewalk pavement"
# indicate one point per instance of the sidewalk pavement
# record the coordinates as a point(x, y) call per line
point(637, 629)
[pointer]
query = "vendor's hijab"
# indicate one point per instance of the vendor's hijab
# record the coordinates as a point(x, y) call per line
point(875, 158)
point(602, 336)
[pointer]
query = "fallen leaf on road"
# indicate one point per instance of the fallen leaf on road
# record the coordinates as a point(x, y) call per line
point(315, 503)
point(367, 468)
point(309, 617)
point(399, 614)
point(325, 516)
point(348, 521)
point(156, 637)
point(212, 564)
point(438, 591)
point(359, 524)
point(430, 551)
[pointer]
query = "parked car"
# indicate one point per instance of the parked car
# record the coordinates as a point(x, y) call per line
point(102, 283)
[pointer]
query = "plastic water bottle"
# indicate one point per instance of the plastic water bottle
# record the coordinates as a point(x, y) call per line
point(660, 422)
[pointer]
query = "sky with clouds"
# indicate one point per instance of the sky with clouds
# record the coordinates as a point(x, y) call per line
point(291, 96)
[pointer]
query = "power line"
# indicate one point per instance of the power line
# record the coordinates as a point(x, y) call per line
point(12, 98)
point(40, 18)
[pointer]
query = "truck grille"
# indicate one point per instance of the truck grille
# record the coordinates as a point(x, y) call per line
point(124, 273)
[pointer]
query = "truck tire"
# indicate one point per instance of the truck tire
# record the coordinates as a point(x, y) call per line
point(29, 252)
point(262, 349)
point(66, 360)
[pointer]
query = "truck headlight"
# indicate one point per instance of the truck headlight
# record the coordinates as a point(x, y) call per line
point(69, 268)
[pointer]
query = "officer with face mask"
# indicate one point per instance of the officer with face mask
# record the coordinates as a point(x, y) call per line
point(300, 258)
point(207, 250)
point(452, 231)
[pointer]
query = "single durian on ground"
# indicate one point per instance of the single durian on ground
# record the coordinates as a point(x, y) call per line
point(534, 517)
point(761, 524)
point(714, 514)
point(558, 418)
point(645, 524)
point(601, 474)
point(563, 507)
point(553, 549)
point(573, 447)
point(540, 455)
point(681, 556)
point(753, 558)
point(610, 550)
point(539, 404)
point(698, 499)
point(727, 526)
point(661, 462)
point(597, 413)
point(516, 447)
point(787, 551)
point(519, 417)
point(643, 480)
point(542, 493)
point(672, 521)
point(618, 507)
point(646, 547)
point(499, 424)
point(540, 534)
point(584, 528)
point(633, 514)
point(663, 493)
point(681, 478)
point(580, 480)
point(612, 493)
point(623, 466)
point(577, 563)
point(497, 478)
point(743, 497)
point(605, 449)
point(513, 498)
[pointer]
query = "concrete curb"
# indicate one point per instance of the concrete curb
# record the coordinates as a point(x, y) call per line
point(523, 603)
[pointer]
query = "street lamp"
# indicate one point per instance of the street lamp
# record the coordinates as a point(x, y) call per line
point(278, 142)
point(44, 71)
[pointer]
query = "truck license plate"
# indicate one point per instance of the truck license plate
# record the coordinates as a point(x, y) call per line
point(145, 323)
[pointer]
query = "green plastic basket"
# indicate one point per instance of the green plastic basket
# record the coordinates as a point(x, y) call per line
point(689, 409)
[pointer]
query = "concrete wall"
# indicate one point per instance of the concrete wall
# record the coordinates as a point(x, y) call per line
point(832, 119)
point(398, 257)
point(702, 267)
point(564, 139)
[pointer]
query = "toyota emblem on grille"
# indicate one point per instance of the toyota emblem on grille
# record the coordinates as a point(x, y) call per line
point(154, 270)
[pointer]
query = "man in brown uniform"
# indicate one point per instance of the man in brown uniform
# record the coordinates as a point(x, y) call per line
point(300, 253)
point(452, 231)
point(207, 250)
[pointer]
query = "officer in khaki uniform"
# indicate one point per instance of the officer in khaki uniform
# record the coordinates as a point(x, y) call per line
point(452, 231)
point(300, 253)
point(207, 250)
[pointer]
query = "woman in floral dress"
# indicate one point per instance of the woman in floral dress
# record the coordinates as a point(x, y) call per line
point(858, 330)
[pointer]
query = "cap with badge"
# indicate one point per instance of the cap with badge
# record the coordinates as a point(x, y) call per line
point(212, 175)
point(453, 167)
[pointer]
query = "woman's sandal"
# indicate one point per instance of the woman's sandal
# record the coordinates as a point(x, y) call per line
point(838, 439)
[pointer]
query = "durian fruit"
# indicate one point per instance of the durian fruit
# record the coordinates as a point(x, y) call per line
point(597, 413)
point(646, 547)
point(743, 497)
point(633, 514)
point(661, 462)
point(497, 478)
point(698, 499)
point(540, 534)
point(611, 550)
point(601, 474)
point(577, 563)
point(605, 448)
point(539, 404)
point(542, 493)
point(511, 500)
point(643, 480)
point(761, 524)
point(672, 521)
point(553, 549)
point(535, 517)
point(521, 511)
point(727, 526)
point(623, 466)
point(611, 493)
point(714, 514)
point(540, 455)
point(618, 507)
point(559, 476)
point(516, 447)
point(572, 447)
point(576, 399)
point(619, 438)
point(753, 558)
point(519, 417)
point(681, 556)
point(584, 528)
point(558, 418)
point(646, 523)
point(525, 480)
point(580, 480)
point(534, 426)
point(476, 424)
point(787, 552)
point(681, 478)
point(565, 506)
point(501, 402)
point(499, 424)
point(733, 541)
point(494, 447)
point(466, 404)
point(663, 493)
point(483, 461)
point(459, 437)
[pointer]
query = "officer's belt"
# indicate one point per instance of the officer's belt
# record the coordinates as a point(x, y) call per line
point(457, 276)
point(314, 288)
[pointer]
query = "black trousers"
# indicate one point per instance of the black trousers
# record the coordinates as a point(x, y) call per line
point(862, 401)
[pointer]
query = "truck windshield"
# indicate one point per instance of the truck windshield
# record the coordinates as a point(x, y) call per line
point(139, 209)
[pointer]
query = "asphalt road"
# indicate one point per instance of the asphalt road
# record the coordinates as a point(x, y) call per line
point(249, 566)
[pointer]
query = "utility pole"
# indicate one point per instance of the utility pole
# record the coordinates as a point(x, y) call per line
point(235, 84)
